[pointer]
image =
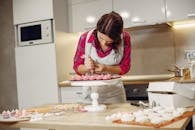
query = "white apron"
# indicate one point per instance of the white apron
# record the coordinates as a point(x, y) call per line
point(113, 92)
point(113, 58)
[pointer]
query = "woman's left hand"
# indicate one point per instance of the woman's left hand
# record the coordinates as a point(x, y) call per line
point(99, 68)
point(89, 63)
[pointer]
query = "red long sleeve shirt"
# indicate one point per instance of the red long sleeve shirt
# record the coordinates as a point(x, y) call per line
point(125, 62)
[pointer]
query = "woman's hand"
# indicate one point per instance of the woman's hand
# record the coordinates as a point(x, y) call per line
point(100, 68)
point(112, 69)
point(89, 64)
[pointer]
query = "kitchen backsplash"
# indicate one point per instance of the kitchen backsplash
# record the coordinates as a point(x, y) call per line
point(184, 40)
point(154, 49)
point(66, 44)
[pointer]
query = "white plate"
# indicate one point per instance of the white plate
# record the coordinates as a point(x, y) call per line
point(11, 120)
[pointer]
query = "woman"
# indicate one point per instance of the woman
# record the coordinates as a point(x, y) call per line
point(106, 49)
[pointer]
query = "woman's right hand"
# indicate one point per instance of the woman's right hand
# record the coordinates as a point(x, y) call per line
point(99, 68)
point(89, 64)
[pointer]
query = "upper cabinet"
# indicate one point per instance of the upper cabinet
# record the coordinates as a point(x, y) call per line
point(84, 14)
point(32, 10)
point(180, 9)
point(140, 12)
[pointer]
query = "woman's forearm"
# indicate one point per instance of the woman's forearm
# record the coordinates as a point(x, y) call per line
point(82, 69)
point(112, 69)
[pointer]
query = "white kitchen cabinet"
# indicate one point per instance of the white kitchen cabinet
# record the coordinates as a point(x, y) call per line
point(180, 9)
point(140, 12)
point(78, 1)
point(32, 10)
point(71, 94)
point(36, 75)
point(84, 14)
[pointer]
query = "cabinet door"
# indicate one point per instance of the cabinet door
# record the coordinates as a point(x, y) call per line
point(180, 9)
point(85, 14)
point(36, 75)
point(71, 94)
point(140, 12)
point(32, 10)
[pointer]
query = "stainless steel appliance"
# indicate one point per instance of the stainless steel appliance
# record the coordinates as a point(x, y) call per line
point(136, 92)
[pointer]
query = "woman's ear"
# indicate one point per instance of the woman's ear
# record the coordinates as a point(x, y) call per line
point(122, 35)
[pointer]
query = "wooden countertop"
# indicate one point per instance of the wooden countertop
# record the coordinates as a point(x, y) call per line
point(142, 79)
point(92, 120)
point(132, 79)
point(182, 80)
point(145, 79)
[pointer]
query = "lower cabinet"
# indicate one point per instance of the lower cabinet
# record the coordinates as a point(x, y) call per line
point(81, 94)
point(71, 94)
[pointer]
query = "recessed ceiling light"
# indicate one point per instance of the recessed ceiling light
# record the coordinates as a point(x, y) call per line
point(90, 19)
point(124, 14)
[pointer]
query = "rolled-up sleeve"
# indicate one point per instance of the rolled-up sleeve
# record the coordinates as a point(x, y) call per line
point(125, 63)
point(80, 52)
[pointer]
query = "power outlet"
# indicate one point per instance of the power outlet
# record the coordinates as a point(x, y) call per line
point(189, 54)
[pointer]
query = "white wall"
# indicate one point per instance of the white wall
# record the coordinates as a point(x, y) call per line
point(8, 88)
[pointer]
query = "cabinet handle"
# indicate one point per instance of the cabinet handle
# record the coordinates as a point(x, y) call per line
point(191, 15)
point(79, 93)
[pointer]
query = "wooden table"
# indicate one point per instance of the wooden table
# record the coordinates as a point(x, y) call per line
point(93, 121)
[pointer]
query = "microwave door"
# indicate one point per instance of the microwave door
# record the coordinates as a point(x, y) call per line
point(31, 33)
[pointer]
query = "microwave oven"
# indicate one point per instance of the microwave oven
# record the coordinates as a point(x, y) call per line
point(39, 32)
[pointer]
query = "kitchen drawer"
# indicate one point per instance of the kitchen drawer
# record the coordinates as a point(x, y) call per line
point(71, 94)
point(136, 91)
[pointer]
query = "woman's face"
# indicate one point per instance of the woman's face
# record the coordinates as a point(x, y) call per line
point(104, 39)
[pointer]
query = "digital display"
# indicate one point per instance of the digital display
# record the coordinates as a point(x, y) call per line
point(31, 33)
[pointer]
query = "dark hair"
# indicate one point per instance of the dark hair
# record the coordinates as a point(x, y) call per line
point(111, 24)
